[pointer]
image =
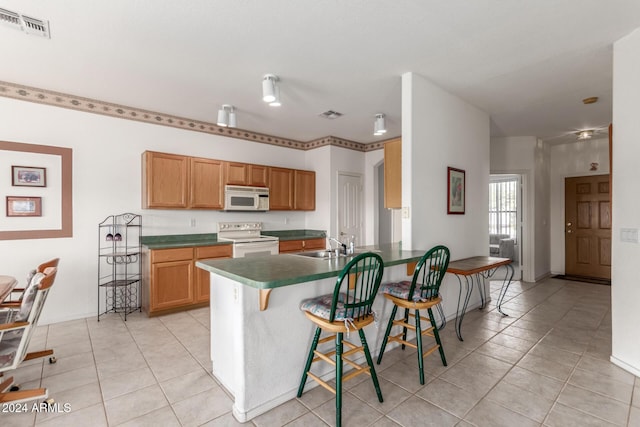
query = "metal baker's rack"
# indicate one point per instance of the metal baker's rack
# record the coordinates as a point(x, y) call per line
point(119, 266)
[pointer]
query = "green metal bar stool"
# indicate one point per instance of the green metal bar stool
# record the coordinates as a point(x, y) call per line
point(347, 310)
point(421, 293)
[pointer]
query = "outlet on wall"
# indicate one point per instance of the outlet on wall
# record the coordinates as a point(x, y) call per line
point(629, 235)
point(192, 222)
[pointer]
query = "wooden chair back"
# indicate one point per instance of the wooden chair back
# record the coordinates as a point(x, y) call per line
point(17, 334)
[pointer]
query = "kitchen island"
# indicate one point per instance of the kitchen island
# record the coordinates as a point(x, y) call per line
point(259, 354)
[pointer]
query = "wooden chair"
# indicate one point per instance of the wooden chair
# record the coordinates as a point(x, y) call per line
point(421, 293)
point(16, 331)
point(13, 301)
point(347, 310)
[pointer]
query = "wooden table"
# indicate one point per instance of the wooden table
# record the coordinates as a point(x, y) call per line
point(478, 268)
point(7, 283)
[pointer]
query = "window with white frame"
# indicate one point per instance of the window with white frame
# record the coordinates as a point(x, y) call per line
point(503, 203)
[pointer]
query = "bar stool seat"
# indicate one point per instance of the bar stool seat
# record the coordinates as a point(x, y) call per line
point(347, 310)
point(421, 293)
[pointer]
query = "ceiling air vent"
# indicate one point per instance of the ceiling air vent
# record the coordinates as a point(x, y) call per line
point(330, 114)
point(25, 23)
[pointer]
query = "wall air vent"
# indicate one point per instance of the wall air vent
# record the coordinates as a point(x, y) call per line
point(330, 114)
point(29, 25)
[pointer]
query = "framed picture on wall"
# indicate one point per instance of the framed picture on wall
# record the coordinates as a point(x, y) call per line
point(28, 176)
point(455, 191)
point(24, 206)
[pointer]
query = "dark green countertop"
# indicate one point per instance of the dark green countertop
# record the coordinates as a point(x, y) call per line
point(274, 271)
point(181, 241)
point(210, 239)
point(295, 234)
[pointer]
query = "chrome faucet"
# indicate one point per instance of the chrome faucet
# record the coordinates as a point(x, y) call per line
point(344, 247)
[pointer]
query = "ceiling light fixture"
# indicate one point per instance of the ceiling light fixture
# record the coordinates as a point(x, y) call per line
point(379, 126)
point(227, 116)
point(584, 134)
point(270, 91)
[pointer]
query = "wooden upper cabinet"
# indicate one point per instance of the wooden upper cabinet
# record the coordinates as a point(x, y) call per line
point(280, 188)
point(305, 190)
point(246, 174)
point(206, 189)
point(393, 173)
point(236, 173)
point(172, 181)
point(165, 180)
point(258, 176)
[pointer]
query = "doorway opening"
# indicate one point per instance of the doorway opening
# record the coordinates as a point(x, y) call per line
point(506, 219)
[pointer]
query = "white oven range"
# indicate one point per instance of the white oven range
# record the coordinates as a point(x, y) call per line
point(247, 239)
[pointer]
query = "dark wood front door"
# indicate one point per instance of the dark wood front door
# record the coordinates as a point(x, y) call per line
point(588, 226)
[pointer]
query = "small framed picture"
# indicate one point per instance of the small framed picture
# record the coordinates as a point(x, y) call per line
point(28, 176)
point(24, 206)
point(455, 191)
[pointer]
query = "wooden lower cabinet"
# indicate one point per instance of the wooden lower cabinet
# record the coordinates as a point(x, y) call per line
point(302, 245)
point(201, 286)
point(173, 282)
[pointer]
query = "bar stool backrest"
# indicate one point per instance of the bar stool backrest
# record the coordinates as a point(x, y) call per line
point(356, 287)
point(429, 273)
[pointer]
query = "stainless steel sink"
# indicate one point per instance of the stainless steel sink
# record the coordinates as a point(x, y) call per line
point(326, 254)
point(321, 254)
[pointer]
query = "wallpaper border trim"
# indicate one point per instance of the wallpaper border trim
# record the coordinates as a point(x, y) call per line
point(57, 99)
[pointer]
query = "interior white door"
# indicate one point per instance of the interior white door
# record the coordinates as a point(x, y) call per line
point(350, 206)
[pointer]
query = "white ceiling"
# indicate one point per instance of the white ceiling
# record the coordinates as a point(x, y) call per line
point(528, 63)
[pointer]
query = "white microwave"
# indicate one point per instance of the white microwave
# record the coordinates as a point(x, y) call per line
point(244, 198)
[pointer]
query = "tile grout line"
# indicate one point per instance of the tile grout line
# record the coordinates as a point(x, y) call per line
point(512, 365)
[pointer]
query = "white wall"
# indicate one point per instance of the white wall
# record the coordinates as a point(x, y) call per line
point(440, 130)
point(625, 292)
point(568, 160)
point(320, 161)
point(107, 180)
point(372, 200)
point(541, 211)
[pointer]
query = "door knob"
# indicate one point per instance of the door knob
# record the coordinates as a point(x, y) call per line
point(568, 224)
point(569, 231)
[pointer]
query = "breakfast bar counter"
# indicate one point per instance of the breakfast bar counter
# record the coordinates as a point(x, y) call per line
point(258, 350)
point(270, 272)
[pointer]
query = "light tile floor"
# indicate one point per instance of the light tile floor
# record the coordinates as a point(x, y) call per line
point(546, 364)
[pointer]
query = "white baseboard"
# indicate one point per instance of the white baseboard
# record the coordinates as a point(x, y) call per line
point(631, 369)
